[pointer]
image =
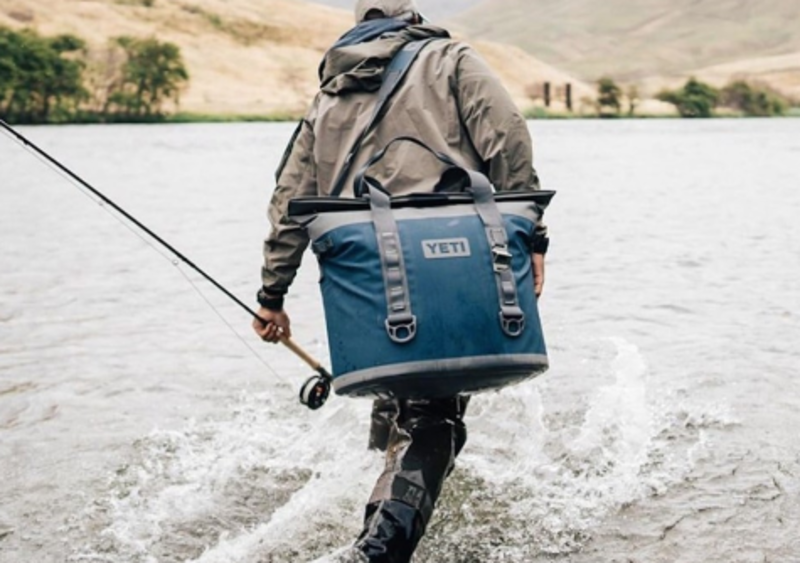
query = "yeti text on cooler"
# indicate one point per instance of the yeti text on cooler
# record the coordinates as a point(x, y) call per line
point(446, 248)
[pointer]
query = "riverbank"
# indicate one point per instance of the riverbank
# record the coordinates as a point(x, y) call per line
point(281, 117)
point(542, 113)
point(180, 117)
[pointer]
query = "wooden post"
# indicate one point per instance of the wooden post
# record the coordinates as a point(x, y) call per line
point(547, 94)
point(568, 97)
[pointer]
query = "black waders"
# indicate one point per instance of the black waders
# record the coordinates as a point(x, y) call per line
point(421, 438)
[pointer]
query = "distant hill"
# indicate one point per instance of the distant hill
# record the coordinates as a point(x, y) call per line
point(437, 11)
point(633, 40)
point(245, 57)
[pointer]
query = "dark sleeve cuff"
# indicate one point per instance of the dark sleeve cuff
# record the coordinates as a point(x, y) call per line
point(540, 245)
point(269, 300)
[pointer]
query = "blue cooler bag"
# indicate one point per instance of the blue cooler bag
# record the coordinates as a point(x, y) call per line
point(431, 294)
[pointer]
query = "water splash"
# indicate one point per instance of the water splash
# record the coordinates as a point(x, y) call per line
point(273, 484)
point(222, 490)
point(532, 486)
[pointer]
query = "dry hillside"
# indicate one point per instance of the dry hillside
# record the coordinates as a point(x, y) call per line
point(244, 57)
point(635, 40)
point(436, 10)
point(783, 71)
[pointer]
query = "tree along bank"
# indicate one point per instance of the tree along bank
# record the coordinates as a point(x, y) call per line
point(59, 80)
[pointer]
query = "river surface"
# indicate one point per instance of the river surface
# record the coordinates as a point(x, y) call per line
point(136, 426)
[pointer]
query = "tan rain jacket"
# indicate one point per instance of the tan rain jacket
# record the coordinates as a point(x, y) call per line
point(449, 99)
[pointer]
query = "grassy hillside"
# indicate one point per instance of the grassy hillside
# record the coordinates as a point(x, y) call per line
point(435, 10)
point(244, 57)
point(636, 39)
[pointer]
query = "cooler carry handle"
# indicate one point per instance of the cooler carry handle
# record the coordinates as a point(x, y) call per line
point(401, 323)
point(512, 318)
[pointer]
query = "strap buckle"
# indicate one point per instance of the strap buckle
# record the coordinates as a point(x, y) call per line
point(501, 258)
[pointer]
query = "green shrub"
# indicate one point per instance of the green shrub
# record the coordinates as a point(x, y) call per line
point(695, 99)
point(608, 96)
point(753, 99)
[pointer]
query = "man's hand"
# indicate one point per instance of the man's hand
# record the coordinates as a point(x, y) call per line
point(538, 273)
point(271, 326)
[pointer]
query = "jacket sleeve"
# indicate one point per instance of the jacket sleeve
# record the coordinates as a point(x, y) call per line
point(497, 129)
point(296, 176)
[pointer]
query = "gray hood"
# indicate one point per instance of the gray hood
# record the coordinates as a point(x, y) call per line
point(360, 67)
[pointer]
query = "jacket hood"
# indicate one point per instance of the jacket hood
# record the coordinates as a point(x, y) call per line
point(360, 67)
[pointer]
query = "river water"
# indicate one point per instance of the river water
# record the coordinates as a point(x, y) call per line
point(137, 426)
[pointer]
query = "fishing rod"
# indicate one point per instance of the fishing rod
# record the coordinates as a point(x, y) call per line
point(315, 390)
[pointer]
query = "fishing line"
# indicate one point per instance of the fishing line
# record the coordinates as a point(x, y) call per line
point(174, 262)
point(228, 324)
point(315, 390)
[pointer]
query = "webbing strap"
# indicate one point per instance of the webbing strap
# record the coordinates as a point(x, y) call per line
point(401, 323)
point(512, 318)
point(393, 76)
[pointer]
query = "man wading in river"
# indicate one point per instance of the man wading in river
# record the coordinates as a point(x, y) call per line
point(452, 101)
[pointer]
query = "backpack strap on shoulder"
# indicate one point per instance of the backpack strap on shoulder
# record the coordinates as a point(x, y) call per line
point(395, 73)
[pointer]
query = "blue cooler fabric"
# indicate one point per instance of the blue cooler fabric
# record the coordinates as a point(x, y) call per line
point(445, 279)
point(459, 345)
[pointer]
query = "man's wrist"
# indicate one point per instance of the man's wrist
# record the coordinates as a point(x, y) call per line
point(269, 300)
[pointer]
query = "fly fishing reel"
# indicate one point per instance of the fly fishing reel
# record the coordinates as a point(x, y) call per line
point(315, 391)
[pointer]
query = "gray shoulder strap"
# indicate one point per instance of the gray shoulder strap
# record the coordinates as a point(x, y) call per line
point(394, 75)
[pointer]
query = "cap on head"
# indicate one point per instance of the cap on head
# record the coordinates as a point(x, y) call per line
point(400, 9)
